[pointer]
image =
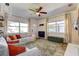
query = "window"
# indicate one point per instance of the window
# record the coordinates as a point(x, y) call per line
point(60, 26)
point(13, 27)
point(52, 27)
point(17, 27)
point(57, 26)
point(23, 27)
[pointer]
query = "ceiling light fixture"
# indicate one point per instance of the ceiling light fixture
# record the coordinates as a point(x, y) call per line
point(37, 13)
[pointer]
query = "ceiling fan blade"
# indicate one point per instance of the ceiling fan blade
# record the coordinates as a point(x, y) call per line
point(39, 9)
point(43, 12)
point(32, 10)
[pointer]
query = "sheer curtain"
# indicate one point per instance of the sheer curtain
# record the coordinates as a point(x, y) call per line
point(68, 28)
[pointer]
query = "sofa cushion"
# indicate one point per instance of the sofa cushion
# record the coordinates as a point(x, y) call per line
point(18, 36)
point(13, 42)
point(15, 50)
point(13, 37)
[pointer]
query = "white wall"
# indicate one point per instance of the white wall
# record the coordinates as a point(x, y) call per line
point(33, 26)
point(43, 28)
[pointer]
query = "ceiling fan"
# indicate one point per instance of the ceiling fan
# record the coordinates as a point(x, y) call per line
point(38, 11)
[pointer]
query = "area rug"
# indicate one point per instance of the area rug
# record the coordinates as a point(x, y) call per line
point(48, 48)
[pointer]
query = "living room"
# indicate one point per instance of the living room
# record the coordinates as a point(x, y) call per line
point(39, 29)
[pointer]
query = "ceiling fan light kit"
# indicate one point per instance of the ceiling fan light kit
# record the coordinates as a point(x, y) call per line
point(37, 13)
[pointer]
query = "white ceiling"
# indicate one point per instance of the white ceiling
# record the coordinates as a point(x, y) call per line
point(46, 6)
point(49, 7)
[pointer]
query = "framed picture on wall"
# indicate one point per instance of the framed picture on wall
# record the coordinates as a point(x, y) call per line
point(41, 24)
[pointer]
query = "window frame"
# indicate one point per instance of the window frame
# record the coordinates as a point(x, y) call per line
point(57, 25)
point(24, 26)
point(19, 31)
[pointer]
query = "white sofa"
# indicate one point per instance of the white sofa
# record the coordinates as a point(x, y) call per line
point(27, 39)
point(24, 39)
point(29, 52)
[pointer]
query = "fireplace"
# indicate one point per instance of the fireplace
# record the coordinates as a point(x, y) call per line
point(41, 34)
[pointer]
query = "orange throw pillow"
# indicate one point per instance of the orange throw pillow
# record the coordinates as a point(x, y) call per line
point(13, 37)
point(15, 50)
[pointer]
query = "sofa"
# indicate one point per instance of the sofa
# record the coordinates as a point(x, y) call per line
point(18, 38)
point(12, 50)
